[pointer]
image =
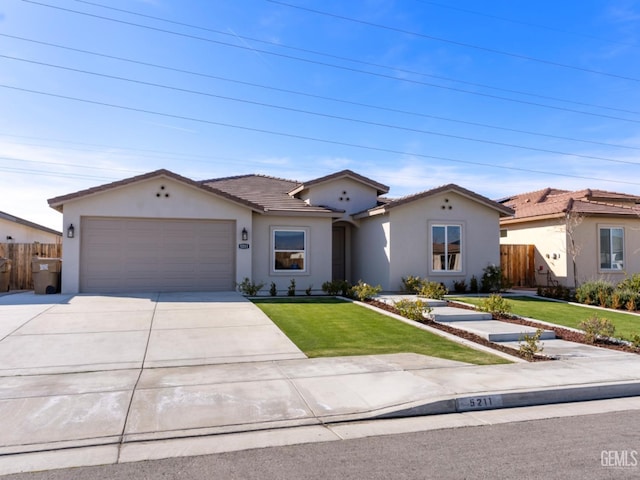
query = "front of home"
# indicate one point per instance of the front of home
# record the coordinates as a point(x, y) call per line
point(578, 235)
point(164, 232)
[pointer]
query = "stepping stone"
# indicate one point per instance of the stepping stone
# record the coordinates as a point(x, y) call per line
point(496, 331)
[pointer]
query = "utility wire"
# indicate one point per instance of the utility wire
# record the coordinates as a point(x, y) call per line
point(319, 114)
point(325, 64)
point(357, 61)
point(321, 97)
point(308, 138)
point(519, 22)
point(454, 42)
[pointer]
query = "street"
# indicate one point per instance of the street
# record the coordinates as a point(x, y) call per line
point(583, 447)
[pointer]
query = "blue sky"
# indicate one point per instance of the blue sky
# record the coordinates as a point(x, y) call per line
point(499, 97)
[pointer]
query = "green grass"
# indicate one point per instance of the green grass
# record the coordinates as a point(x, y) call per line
point(329, 327)
point(564, 314)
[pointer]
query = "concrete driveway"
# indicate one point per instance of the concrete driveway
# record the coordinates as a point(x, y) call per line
point(54, 334)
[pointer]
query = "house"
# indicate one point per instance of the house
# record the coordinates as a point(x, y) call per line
point(578, 235)
point(18, 230)
point(164, 232)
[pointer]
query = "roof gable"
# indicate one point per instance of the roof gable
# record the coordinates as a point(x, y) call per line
point(379, 187)
point(27, 223)
point(58, 202)
point(385, 207)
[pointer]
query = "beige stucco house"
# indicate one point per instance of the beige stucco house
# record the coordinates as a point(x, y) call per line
point(164, 232)
point(578, 235)
point(18, 230)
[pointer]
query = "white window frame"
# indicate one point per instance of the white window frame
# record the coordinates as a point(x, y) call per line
point(305, 252)
point(446, 271)
point(612, 263)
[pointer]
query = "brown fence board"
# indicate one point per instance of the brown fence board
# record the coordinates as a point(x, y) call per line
point(518, 264)
point(21, 255)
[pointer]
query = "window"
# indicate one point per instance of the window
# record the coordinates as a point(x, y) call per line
point(611, 248)
point(289, 250)
point(446, 248)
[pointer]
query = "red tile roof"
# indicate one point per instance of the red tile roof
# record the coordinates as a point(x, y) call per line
point(554, 202)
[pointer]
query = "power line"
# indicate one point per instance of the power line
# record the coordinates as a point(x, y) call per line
point(454, 42)
point(357, 61)
point(319, 114)
point(339, 67)
point(321, 97)
point(309, 138)
point(519, 22)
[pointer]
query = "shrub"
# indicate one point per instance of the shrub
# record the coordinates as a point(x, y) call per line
point(596, 328)
point(247, 287)
point(493, 280)
point(530, 345)
point(595, 292)
point(336, 287)
point(630, 283)
point(495, 304)
point(308, 290)
point(433, 290)
point(412, 309)
point(412, 284)
point(473, 284)
point(555, 291)
point(632, 303)
point(273, 290)
point(291, 289)
point(459, 286)
point(635, 340)
point(362, 291)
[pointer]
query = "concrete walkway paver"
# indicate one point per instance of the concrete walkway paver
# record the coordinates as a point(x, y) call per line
point(208, 387)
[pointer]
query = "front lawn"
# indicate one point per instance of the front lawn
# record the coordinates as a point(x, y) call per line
point(330, 327)
point(561, 313)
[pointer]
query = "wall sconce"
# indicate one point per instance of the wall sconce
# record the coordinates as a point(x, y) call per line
point(245, 235)
point(71, 231)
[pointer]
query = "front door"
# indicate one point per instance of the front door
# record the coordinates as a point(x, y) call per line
point(338, 254)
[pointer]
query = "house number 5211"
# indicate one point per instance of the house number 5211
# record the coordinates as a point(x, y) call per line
point(484, 402)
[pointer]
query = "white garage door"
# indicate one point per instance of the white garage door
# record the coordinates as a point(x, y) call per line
point(153, 255)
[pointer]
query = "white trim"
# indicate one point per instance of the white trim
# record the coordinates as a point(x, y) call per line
point(462, 260)
point(272, 251)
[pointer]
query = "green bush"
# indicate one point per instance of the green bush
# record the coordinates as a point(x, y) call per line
point(530, 345)
point(363, 291)
point(337, 287)
point(412, 284)
point(412, 309)
point(459, 286)
point(494, 303)
point(630, 283)
point(273, 289)
point(433, 290)
point(596, 292)
point(247, 287)
point(493, 280)
point(473, 284)
point(596, 328)
point(555, 291)
point(291, 289)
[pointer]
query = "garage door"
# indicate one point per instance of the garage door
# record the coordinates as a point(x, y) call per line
point(151, 255)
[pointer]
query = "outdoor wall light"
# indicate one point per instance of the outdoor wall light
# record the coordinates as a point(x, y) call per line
point(71, 231)
point(245, 235)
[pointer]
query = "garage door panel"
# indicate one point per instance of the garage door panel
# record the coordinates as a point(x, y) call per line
point(120, 254)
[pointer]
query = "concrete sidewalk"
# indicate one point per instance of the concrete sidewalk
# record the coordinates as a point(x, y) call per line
point(159, 403)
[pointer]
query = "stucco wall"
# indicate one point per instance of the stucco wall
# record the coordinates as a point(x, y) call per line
point(24, 234)
point(550, 241)
point(343, 194)
point(371, 251)
point(411, 238)
point(140, 200)
point(318, 255)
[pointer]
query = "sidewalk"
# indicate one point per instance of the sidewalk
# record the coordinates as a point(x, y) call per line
point(151, 411)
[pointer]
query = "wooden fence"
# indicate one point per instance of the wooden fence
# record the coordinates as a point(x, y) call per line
point(518, 264)
point(20, 255)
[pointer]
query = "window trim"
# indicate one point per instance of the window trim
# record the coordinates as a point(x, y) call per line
point(461, 226)
point(272, 255)
point(609, 227)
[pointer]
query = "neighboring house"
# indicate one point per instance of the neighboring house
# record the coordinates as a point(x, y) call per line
point(578, 236)
point(164, 232)
point(17, 230)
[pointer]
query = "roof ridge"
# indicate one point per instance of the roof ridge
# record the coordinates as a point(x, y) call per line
point(237, 177)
